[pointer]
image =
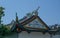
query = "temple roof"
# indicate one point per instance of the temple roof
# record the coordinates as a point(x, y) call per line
point(20, 25)
point(25, 22)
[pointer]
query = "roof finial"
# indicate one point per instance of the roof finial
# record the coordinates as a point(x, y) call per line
point(16, 13)
point(38, 8)
point(35, 12)
point(16, 17)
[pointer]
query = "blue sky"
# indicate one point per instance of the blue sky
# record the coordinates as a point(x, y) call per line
point(49, 10)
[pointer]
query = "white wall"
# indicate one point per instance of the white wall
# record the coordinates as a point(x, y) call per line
point(33, 35)
point(56, 36)
point(36, 35)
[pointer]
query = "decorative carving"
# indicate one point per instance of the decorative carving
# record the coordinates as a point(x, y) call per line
point(29, 14)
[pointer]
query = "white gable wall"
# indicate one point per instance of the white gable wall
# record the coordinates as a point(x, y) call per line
point(35, 24)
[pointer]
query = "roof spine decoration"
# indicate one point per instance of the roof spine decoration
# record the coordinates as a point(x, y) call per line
point(16, 18)
point(35, 12)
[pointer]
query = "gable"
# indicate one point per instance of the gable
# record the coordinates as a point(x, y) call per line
point(36, 24)
point(29, 20)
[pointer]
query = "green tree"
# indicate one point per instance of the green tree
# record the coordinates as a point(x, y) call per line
point(4, 31)
point(1, 13)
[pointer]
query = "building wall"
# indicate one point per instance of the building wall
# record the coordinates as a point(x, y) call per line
point(36, 35)
point(33, 35)
point(56, 36)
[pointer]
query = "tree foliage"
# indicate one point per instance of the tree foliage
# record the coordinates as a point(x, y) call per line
point(1, 13)
point(4, 31)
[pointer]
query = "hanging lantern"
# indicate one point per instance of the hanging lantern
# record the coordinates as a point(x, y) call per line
point(18, 30)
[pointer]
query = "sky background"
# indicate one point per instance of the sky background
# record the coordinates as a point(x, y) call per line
point(49, 10)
